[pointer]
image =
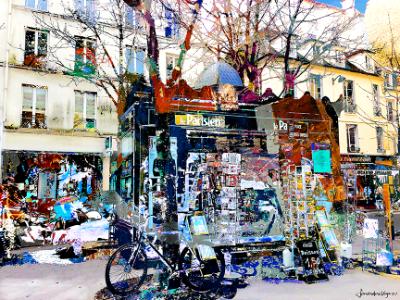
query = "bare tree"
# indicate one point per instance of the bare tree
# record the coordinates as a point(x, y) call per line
point(310, 33)
point(238, 31)
point(98, 33)
point(254, 34)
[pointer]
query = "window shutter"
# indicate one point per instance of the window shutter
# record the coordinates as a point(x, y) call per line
point(78, 102)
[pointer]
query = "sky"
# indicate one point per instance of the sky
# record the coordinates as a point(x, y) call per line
point(360, 4)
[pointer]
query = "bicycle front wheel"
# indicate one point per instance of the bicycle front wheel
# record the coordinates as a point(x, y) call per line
point(201, 275)
point(125, 273)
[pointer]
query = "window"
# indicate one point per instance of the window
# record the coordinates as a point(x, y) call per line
point(352, 138)
point(134, 60)
point(376, 100)
point(315, 86)
point(391, 80)
point(36, 4)
point(348, 91)
point(130, 16)
point(35, 47)
point(379, 139)
point(86, 9)
point(172, 61)
point(33, 106)
point(339, 56)
point(85, 56)
point(368, 64)
point(390, 112)
point(316, 50)
point(85, 110)
point(172, 27)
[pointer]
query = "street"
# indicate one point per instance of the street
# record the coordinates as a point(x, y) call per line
point(82, 281)
point(199, 150)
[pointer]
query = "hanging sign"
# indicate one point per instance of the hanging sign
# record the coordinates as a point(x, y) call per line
point(355, 159)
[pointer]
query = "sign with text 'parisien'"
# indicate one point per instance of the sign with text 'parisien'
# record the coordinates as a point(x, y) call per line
point(200, 120)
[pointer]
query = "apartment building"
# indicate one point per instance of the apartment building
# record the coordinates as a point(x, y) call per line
point(59, 63)
point(363, 94)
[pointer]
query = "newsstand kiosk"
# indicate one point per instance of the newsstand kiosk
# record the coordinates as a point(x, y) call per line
point(221, 167)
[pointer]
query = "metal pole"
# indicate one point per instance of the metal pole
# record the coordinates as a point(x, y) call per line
point(171, 244)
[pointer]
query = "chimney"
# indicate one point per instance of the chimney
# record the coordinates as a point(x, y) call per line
point(347, 5)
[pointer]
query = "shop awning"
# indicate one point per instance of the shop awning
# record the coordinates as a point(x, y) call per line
point(53, 143)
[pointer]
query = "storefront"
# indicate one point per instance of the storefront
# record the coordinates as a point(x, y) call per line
point(365, 176)
point(42, 180)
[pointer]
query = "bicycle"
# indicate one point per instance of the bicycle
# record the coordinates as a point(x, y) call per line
point(198, 271)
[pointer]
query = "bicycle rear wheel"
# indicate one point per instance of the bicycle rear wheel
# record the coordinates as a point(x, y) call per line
point(125, 274)
point(201, 275)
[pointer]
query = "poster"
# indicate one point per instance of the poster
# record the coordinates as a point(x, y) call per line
point(384, 258)
point(322, 161)
point(311, 261)
point(157, 163)
point(199, 225)
point(47, 185)
point(193, 184)
point(260, 216)
point(370, 229)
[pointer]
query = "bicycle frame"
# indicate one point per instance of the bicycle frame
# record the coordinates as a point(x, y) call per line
point(143, 241)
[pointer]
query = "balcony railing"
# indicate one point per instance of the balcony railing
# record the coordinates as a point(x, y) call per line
point(353, 149)
point(35, 61)
point(28, 121)
point(350, 106)
point(377, 111)
point(381, 150)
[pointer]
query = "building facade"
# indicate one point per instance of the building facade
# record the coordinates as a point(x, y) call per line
point(60, 67)
point(362, 96)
